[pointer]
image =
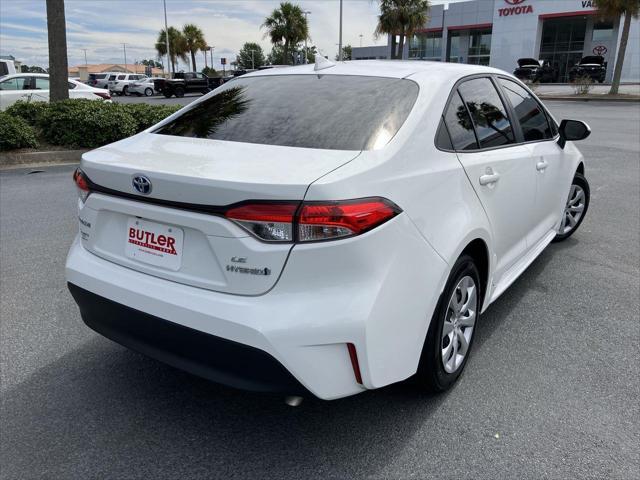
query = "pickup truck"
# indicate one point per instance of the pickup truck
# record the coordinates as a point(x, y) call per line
point(185, 82)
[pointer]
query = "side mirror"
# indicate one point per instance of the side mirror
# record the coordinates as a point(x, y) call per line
point(572, 130)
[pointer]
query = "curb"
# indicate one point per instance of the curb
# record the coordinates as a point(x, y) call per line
point(24, 159)
point(592, 98)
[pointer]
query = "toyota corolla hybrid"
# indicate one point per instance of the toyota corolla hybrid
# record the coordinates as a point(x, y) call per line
point(326, 229)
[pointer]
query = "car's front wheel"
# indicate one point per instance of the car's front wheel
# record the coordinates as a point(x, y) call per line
point(575, 209)
point(446, 349)
point(125, 91)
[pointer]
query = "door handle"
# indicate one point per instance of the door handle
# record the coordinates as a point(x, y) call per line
point(542, 165)
point(489, 178)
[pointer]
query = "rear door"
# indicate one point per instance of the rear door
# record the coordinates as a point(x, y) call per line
point(498, 168)
point(551, 169)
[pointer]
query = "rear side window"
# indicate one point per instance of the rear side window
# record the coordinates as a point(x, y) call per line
point(489, 115)
point(533, 120)
point(112, 77)
point(337, 112)
point(18, 83)
point(460, 125)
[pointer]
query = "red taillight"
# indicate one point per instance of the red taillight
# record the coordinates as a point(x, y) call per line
point(268, 221)
point(105, 96)
point(312, 221)
point(82, 184)
point(325, 221)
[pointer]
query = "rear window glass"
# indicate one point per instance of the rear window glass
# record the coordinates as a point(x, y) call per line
point(336, 112)
point(459, 125)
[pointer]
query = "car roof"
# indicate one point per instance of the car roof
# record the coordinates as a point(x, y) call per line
point(384, 68)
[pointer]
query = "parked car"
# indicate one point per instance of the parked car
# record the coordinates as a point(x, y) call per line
point(592, 66)
point(331, 245)
point(34, 87)
point(100, 80)
point(185, 82)
point(532, 70)
point(119, 83)
point(144, 87)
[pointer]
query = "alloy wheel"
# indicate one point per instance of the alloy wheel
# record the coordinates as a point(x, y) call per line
point(573, 210)
point(459, 324)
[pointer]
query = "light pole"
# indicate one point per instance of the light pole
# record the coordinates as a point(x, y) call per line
point(340, 38)
point(124, 49)
point(361, 40)
point(166, 32)
point(211, 52)
point(85, 56)
point(306, 50)
point(253, 63)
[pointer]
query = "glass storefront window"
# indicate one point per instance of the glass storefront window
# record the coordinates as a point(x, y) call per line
point(453, 55)
point(479, 47)
point(563, 43)
point(426, 46)
point(602, 31)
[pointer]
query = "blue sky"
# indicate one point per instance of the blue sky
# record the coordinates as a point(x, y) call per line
point(101, 26)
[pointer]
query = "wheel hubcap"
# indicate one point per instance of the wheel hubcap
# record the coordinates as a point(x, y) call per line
point(459, 324)
point(573, 210)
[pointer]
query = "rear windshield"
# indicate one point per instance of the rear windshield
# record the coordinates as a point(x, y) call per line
point(335, 112)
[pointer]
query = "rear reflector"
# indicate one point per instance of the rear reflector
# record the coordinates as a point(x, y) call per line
point(353, 355)
point(312, 221)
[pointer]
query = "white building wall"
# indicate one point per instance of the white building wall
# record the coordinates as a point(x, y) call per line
point(631, 65)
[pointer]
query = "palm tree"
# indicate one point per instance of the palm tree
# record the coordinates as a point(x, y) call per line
point(615, 9)
point(401, 18)
point(177, 46)
point(195, 41)
point(286, 26)
point(58, 63)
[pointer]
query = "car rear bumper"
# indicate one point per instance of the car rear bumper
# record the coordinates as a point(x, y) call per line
point(376, 291)
point(214, 358)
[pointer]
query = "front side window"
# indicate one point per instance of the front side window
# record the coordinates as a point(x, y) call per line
point(489, 115)
point(533, 121)
point(42, 83)
point(460, 125)
point(121, 77)
point(112, 77)
point(337, 112)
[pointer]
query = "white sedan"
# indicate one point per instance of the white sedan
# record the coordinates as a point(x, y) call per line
point(34, 87)
point(143, 87)
point(333, 245)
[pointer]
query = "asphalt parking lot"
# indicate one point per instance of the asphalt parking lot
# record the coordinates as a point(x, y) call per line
point(552, 389)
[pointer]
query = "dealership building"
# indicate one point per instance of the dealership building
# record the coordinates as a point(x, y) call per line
point(499, 32)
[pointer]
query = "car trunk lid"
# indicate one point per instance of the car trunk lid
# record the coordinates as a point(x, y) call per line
point(192, 181)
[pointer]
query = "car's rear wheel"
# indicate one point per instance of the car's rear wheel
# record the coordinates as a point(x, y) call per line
point(179, 92)
point(575, 209)
point(125, 91)
point(148, 92)
point(450, 336)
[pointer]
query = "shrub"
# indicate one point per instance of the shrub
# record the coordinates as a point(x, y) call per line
point(146, 115)
point(28, 111)
point(15, 133)
point(582, 85)
point(85, 123)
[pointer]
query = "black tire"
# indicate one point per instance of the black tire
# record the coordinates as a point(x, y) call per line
point(148, 92)
point(431, 373)
point(125, 90)
point(167, 94)
point(179, 92)
point(580, 181)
